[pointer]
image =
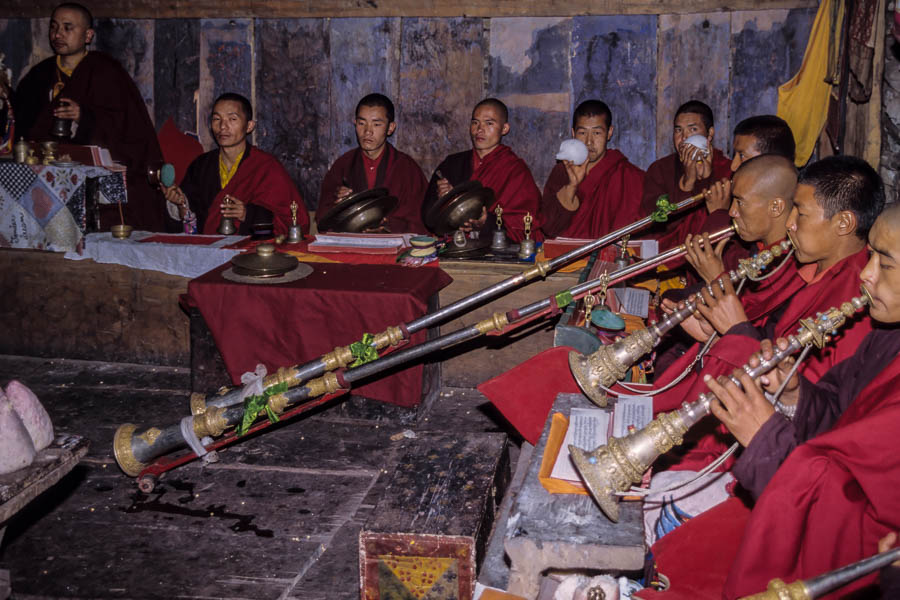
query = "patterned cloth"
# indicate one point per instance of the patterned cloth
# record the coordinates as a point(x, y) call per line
point(43, 207)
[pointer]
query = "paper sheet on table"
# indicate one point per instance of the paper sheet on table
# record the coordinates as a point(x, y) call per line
point(633, 301)
point(631, 410)
point(361, 241)
point(588, 428)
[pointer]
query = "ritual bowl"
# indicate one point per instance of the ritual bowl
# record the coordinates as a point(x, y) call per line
point(120, 231)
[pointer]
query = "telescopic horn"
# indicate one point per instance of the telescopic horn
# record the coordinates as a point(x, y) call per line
point(611, 363)
point(619, 464)
point(135, 446)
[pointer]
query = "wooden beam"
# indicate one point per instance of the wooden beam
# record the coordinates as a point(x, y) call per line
point(188, 9)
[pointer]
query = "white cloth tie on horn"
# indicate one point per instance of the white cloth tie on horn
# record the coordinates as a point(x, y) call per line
point(253, 382)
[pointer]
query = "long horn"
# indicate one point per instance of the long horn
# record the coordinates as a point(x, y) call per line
point(393, 336)
point(135, 447)
point(817, 587)
point(610, 363)
point(622, 462)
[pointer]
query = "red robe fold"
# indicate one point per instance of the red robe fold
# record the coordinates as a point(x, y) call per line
point(662, 178)
point(113, 115)
point(514, 190)
point(610, 196)
point(396, 171)
point(261, 180)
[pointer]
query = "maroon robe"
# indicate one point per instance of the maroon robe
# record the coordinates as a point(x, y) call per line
point(260, 182)
point(506, 174)
point(662, 178)
point(610, 196)
point(827, 505)
point(396, 171)
point(113, 116)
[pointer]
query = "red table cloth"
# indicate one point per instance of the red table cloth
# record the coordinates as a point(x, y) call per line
point(294, 323)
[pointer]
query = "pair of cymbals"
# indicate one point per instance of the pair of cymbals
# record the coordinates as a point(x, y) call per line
point(359, 211)
point(454, 209)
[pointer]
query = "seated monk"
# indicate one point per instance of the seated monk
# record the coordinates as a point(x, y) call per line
point(599, 196)
point(497, 167)
point(236, 180)
point(824, 476)
point(376, 163)
point(92, 91)
point(686, 173)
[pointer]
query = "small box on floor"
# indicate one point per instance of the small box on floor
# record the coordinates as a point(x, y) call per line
point(430, 528)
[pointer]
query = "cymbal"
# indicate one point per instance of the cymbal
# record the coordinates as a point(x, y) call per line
point(464, 202)
point(265, 262)
point(359, 211)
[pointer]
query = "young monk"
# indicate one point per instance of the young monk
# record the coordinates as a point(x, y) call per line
point(825, 480)
point(599, 196)
point(686, 173)
point(497, 167)
point(376, 163)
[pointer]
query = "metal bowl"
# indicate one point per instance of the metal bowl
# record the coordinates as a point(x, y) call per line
point(358, 212)
point(120, 231)
point(265, 262)
point(452, 210)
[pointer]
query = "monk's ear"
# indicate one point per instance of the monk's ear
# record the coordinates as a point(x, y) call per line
point(777, 207)
point(711, 134)
point(609, 133)
point(845, 222)
point(88, 36)
point(505, 129)
point(391, 128)
point(251, 125)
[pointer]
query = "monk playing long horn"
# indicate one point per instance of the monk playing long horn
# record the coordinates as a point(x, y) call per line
point(825, 479)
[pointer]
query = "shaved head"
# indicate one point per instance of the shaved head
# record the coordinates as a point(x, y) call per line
point(497, 105)
point(771, 176)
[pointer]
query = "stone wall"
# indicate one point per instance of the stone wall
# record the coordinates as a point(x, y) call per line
point(305, 75)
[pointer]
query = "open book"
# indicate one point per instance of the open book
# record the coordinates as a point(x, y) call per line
point(592, 427)
point(360, 243)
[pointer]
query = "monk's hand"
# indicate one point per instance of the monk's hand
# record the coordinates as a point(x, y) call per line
point(173, 194)
point(476, 223)
point(888, 542)
point(718, 196)
point(743, 412)
point(67, 109)
point(687, 154)
point(233, 208)
point(568, 194)
point(380, 228)
point(773, 380)
point(443, 186)
point(342, 192)
point(705, 259)
point(704, 163)
point(696, 325)
point(722, 308)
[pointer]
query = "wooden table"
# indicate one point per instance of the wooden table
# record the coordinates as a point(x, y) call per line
point(19, 488)
point(566, 531)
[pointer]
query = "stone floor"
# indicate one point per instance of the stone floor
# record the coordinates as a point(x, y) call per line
point(277, 517)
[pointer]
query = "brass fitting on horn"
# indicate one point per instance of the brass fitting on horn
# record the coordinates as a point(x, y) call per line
point(779, 590)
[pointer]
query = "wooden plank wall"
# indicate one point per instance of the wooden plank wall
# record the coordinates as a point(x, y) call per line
point(305, 75)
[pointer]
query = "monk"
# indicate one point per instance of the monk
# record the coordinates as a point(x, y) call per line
point(236, 180)
point(497, 167)
point(94, 92)
point(376, 163)
point(825, 479)
point(686, 173)
point(599, 196)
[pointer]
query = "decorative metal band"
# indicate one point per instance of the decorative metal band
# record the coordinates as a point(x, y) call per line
point(338, 358)
point(286, 375)
point(671, 424)
point(198, 403)
point(278, 402)
point(389, 337)
point(325, 384)
point(211, 423)
point(540, 269)
point(494, 323)
point(628, 472)
point(150, 435)
point(779, 590)
point(123, 451)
